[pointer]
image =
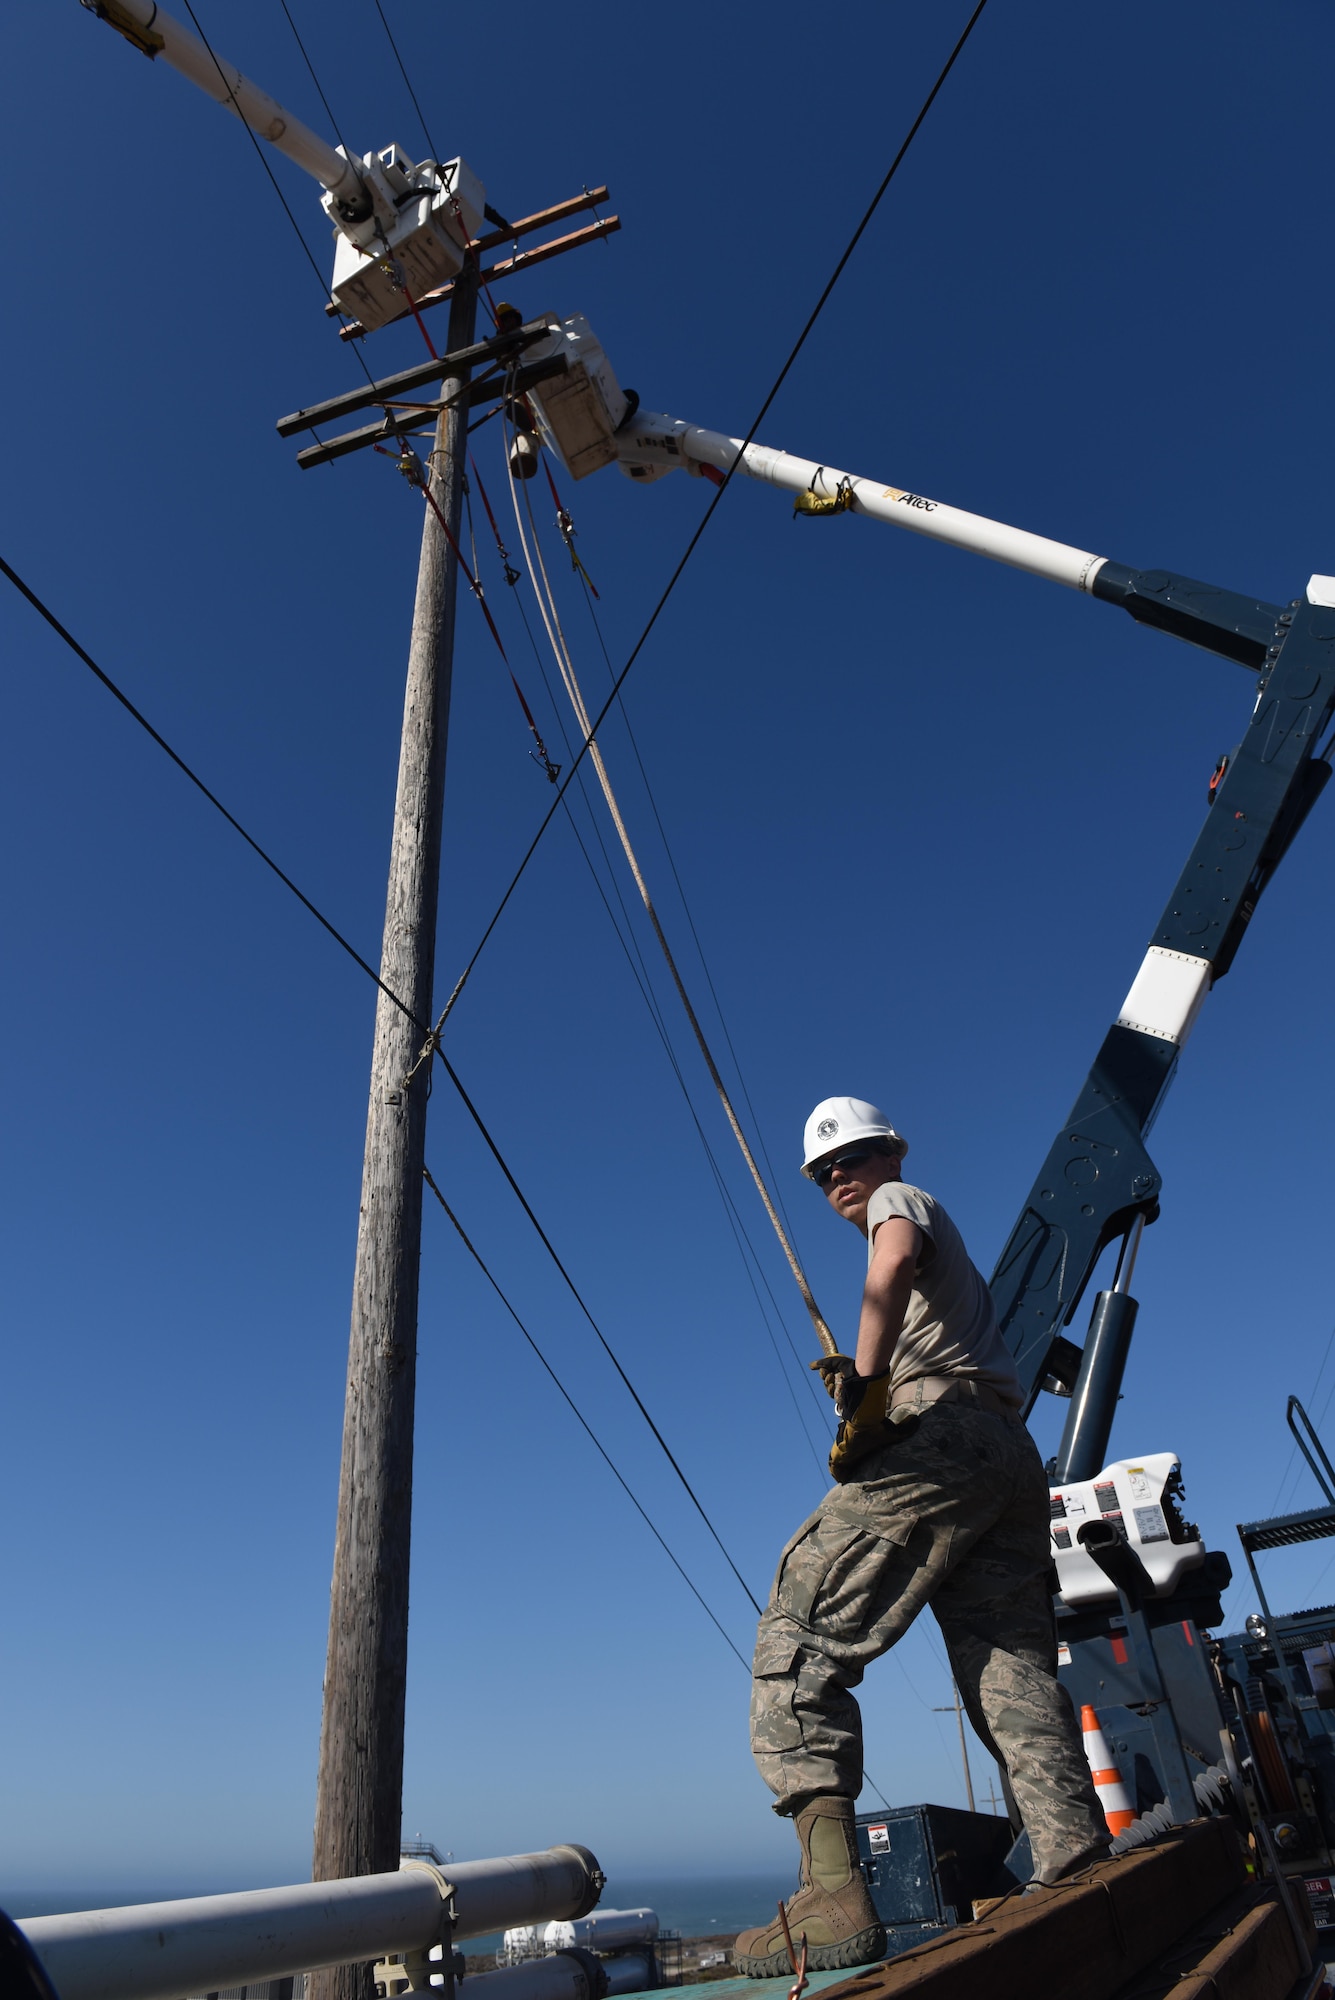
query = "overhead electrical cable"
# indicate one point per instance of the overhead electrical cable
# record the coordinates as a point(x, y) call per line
point(319, 87)
point(594, 1439)
point(421, 115)
point(603, 1341)
point(403, 1007)
point(273, 182)
point(552, 621)
point(624, 933)
point(581, 1419)
point(719, 492)
point(596, 622)
point(45, 612)
point(551, 618)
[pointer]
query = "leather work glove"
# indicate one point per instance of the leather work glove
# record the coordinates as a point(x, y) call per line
point(843, 1384)
point(866, 1421)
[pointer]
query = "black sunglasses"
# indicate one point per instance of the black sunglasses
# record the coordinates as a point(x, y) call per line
point(853, 1156)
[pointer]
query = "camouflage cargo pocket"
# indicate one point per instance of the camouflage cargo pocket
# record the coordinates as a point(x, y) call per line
point(774, 1683)
point(832, 1577)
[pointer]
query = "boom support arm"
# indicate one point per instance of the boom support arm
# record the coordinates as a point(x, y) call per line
point(1098, 1177)
point(144, 24)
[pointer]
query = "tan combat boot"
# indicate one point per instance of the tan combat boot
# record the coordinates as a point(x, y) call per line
point(832, 1904)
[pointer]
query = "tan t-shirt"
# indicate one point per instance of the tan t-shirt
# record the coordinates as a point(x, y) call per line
point(950, 1327)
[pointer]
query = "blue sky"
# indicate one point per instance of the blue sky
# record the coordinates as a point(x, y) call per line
point(925, 812)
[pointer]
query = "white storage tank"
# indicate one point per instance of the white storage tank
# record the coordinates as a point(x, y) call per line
point(603, 1930)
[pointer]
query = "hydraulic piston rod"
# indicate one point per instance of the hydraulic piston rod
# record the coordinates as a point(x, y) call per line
point(149, 28)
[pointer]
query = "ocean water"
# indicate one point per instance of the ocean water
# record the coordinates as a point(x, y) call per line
point(697, 1905)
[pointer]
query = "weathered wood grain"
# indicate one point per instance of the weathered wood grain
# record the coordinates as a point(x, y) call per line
point(360, 1785)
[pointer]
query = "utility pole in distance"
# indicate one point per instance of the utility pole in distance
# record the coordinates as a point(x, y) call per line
point(360, 1785)
point(956, 1708)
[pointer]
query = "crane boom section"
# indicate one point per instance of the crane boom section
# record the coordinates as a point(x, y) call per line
point(157, 33)
point(1098, 1175)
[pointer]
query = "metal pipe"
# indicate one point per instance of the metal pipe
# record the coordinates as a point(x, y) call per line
point(149, 28)
point(571, 1974)
point(662, 441)
point(1126, 1256)
point(1089, 1421)
point(605, 1930)
point(157, 1951)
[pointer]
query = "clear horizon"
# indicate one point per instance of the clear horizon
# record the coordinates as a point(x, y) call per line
point(925, 811)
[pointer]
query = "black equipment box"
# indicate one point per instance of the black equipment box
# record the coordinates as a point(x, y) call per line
point(926, 1865)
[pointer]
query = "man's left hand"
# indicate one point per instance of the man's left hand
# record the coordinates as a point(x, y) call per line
point(839, 1373)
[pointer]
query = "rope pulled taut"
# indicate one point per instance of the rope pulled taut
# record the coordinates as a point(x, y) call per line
point(556, 636)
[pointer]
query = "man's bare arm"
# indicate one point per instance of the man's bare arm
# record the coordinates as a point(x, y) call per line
point(885, 1298)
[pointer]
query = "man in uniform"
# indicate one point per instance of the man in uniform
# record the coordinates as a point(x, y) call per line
point(942, 1500)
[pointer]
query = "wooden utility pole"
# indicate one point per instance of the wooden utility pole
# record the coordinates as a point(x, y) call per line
point(359, 1793)
point(956, 1709)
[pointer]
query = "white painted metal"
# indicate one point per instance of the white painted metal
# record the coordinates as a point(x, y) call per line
point(1321, 590)
point(579, 412)
point(650, 445)
point(522, 1888)
point(157, 1951)
point(1166, 995)
point(604, 1930)
point(1130, 1492)
point(224, 83)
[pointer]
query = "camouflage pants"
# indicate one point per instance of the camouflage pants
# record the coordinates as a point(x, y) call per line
point(956, 1516)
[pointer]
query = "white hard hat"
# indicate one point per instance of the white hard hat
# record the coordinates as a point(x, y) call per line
point(842, 1121)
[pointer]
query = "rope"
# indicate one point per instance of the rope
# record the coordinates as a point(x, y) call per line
point(695, 937)
point(724, 482)
point(557, 637)
point(580, 1419)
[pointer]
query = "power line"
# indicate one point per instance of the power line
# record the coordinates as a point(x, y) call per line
point(273, 182)
point(686, 908)
point(575, 1293)
point(578, 1414)
point(329, 113)
point(44, 611)
point(565, 663)
point(719, 492)
point(430, 1039)
point(603, 1454)
point(421, 116)
point(639, 973)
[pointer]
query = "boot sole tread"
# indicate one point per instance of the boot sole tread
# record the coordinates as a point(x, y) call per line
point(863, 1948)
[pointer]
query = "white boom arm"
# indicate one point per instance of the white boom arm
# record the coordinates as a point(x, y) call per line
point(145, 24)
point(650, 445)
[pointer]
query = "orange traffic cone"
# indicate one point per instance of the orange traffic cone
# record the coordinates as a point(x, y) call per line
point(1113, 1795)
